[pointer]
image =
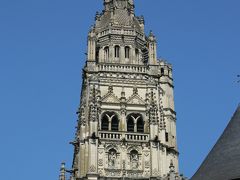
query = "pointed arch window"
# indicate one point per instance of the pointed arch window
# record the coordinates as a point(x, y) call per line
point(117, 51)
point(127, 52)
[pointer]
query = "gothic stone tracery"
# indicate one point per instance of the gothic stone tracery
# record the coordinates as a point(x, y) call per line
point(127, 122)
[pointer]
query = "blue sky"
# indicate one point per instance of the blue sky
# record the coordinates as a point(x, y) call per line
point(42, 46)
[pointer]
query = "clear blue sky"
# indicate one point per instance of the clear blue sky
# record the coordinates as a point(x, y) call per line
point(42, 45)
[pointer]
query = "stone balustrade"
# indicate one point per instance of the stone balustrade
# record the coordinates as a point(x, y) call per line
point(124, 68)
point(120, 135)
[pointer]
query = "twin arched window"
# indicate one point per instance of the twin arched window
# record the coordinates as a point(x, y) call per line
point(109, 121)
point(135, 123)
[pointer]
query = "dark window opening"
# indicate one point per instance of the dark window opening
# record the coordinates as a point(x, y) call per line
point(130, 125)
point(166, 137)
point(127, 52)
point(162, 71)
point(104, 126)
point(117, 51)
point(140, 126)
point(115, 123)
point(135, 119)
point(97, 54)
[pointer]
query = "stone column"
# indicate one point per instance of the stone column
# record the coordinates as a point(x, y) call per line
point(133, 56)
point(93, 159)
point(111, 53)
point(135, 127)
point(101, 55)
point(154, 159)
point(82, 159)
point(122, 54)
point(110, 125)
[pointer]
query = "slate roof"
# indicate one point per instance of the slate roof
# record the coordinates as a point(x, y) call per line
point(223, 161)
point(121, 18)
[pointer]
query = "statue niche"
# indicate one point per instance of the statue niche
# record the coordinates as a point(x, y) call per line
point(134, 159)
point(112, 158)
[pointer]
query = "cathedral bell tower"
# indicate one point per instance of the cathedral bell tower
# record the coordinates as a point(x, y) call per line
point(126, 119)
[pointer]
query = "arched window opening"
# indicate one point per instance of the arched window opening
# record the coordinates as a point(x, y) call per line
point(112, 158)
point(110, 121)
point(115, 123)
point(106, 53)
point(162, 71)
point(105, 122)
point(117, 51)
point(97, 54)
point(130, 125)
point(135, 123)
point(127, 52)
point(140, 126)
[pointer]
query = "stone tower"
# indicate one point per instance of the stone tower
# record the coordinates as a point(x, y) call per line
point(127, 122)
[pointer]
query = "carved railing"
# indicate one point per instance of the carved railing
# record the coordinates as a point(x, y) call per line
point(124, 68)
point(136, 137)
point(110, 135)
point(139, 137)
point(122, 32)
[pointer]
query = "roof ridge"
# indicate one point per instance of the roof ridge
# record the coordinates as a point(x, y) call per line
point(219, 163)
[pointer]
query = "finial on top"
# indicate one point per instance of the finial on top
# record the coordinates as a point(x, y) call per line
point(120, 4)
point(172, 167)
point(135, 90)
point(151, 36)
point(110, 88)
point(62, 175)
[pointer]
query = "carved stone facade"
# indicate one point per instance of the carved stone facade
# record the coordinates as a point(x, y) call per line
point(127, 122)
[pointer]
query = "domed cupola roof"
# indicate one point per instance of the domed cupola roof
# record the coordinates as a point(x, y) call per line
point(118, 13)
